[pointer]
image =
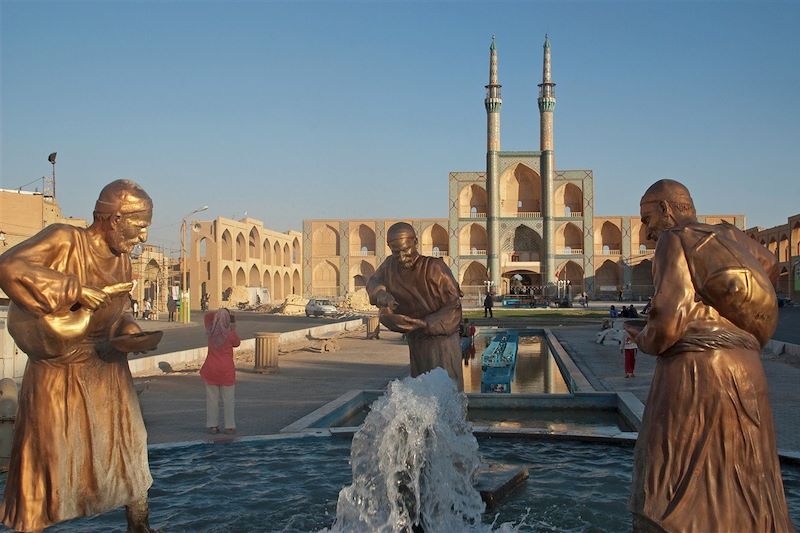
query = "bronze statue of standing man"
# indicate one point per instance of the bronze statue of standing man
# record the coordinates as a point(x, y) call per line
point(706, 458)
point(80, 445)
point(417, 295)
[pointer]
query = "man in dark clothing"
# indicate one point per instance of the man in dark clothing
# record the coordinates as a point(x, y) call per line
point(487, 306)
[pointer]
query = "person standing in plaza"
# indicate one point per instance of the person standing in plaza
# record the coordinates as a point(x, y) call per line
point(218, 370)
point(613, 314)
point(488, 303)
point(172, 306)
point(629, 349)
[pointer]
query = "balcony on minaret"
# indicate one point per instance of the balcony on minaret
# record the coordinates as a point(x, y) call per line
point(547, 97)
point(493, 100)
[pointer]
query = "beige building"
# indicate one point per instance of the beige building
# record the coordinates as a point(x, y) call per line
point(784, 242)
point(154, 275)
point(341, 255)
point(520, 226)
point(228, 255)
point(23, 214)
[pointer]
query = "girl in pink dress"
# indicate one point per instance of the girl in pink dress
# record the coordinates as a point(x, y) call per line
point(218, 371)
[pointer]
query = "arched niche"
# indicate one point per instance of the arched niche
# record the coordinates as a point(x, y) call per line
point(569, 239)
point(241, 248)
point(520, 192)
point(473, 240)
point(435, 241)
point(253, 242)
point(472, 201)
point(325, 241)
point(568, 200)
point(226, 245)
point(362, 240)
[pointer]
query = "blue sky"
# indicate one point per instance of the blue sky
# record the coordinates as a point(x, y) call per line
point(360, 109)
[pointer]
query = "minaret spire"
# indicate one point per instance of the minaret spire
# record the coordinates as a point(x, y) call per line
point(493, 102)
point(547, 104)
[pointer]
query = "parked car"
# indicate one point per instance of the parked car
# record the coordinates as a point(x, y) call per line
point(320, 307)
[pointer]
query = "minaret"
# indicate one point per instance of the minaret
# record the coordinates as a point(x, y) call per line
point(493, 102)
point(547, 104)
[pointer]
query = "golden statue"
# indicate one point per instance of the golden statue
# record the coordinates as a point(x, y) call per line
point(80, 446)
point(706, 458)
point(418, 296)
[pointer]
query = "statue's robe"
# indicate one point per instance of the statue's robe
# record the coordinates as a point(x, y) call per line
point(706, 458)
point(80, 445)
point(430, 293)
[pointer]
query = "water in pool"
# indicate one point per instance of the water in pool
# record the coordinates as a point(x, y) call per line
point(536, 370)
point(293, 485)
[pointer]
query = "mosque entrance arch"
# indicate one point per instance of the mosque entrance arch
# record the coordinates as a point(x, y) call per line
point(522, 282)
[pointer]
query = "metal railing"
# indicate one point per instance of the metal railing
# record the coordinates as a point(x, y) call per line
point(465, 214)
point(472, 252)
point(570, 251)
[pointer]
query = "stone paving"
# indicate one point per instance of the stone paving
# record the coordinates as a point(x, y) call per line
point(173, 405)
point(603, 367)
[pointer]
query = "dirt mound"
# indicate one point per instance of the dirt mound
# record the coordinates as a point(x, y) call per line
point(292, 305)
point(357, 301)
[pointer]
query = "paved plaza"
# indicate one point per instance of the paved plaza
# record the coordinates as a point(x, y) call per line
point(174, 404)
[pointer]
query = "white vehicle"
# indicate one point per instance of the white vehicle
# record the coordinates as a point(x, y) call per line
point(320, 307)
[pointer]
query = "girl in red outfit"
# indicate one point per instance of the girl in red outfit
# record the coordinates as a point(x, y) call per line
point(218, 371)
point(629, 348)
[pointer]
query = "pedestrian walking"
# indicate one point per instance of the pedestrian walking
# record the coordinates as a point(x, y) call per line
point(488, 303)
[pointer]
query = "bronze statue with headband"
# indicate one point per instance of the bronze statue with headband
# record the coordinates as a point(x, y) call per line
point(706, 458)
point(80, 445)
point(418, 296)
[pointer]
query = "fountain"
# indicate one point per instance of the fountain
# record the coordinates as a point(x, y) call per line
point(413, 462)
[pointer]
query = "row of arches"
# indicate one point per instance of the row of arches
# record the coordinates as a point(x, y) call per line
point(326, 241)
point(520, 195)
point(253, 247)
point(473, 240)
point(325, 278)
point(279, 284)
point(527, 245)
point(780, 246)
point(608, 278)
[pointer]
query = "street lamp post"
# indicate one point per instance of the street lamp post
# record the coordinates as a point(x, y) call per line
point(185, 301)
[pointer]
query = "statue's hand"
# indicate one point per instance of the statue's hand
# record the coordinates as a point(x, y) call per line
point(384, 299)
point(400, 323)
point(92, 298)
